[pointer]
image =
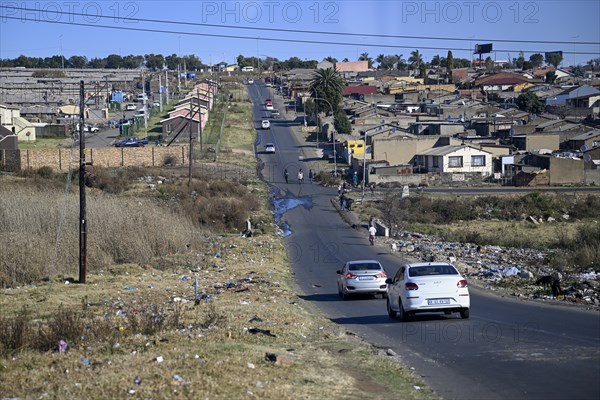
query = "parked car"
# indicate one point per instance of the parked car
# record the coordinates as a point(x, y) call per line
point(131, 142)
point(270, 148)
point(250, 81)
point(265, 124)
point(156, 104)
point(427, 287)
point(130, 107)
point(362, 277)
point(92, 128)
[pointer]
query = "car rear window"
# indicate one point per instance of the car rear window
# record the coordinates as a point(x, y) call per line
point(432, 270)
point(364, 266)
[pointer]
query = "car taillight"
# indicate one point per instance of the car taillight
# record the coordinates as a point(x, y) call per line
point(350, 276)
point(411, 286)
point(462, 283)
point(381, 275)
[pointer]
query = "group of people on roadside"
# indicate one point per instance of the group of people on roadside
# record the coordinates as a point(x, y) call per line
point(311, 175)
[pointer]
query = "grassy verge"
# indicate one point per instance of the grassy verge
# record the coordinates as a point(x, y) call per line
point(45, 143)
point(142, 329)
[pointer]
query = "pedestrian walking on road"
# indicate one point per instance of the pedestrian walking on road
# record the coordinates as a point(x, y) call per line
point(355, 179)
point(311, 175)
point(372, 189)
point(300, 176)
point(286, 175)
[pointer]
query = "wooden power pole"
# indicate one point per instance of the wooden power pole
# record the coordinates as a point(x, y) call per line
point(82, 203)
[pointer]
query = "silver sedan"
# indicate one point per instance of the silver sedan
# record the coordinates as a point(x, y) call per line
point(362, 277)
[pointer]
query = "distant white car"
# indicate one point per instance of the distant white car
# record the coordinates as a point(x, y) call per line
point(270, 148)
point(427, 287)
point(265, 124)
point(130, 107)
point(269, 107)
point(92, 129)
point(250, 81)
point(156, 104)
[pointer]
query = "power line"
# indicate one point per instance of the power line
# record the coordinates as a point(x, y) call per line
point(265, 29)
point(280, 39)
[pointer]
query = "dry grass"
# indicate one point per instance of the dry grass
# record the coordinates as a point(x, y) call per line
point(208, 350)
point(139, 303)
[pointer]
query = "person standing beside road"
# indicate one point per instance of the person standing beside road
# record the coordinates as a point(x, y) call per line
point(286, 175)
point(355, 179)
point(311, 175)
point(300, 176)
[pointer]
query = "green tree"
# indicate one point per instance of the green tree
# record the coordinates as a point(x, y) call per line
point(415, 59)
point(97, 63)
point(519, 60)
point(329, 85)
point(310, 108)
point(365, 57)
point(450, 60)
point(77, 62)
point(529, 102)
point(330, 59)
point(423, 71)
point(489, 64)
point(435, 61)
point(132, 62)
point(154, 61)
point(192, 62)
point(341, 122)
point(550, 77)
point(173, 61)
point(554, 59)
point(114, 61)
point(536, 60)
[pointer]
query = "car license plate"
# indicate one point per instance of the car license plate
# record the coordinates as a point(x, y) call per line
point(435, 302)
point(366, 278)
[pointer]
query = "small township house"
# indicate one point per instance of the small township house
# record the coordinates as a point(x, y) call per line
point(455, 159)
point(10, 118)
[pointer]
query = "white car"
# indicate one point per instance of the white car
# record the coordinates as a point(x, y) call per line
point(250, 81)
point(269, 107)
point(92, 129)
point(265, 124)
point(130, 107)
point(427, 287)
point(362, 277)
point(270, 148)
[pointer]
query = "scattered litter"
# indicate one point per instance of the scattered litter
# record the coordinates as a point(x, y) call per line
point(417, 387)
point(256, 331)
point(85, 361)
point(391, 353)
point(255, 319)
point(250, 365)
point(137, 380)
point(130, 288)
point(178, 380)
point(62, 346)
point(271, 357)
point(159, 359)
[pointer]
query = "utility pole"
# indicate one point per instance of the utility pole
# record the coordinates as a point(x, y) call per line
point(159, 92)
point(167, 85)
point(190, 156)
point(82, 211)
point(200, 117)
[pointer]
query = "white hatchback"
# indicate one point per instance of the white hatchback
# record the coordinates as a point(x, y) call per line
point(427, 287)
point(270, 148)
point(265, 124)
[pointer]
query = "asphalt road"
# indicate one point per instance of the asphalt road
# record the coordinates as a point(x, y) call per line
point(508, 349)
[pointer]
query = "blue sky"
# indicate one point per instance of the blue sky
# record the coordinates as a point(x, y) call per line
point(571, 22)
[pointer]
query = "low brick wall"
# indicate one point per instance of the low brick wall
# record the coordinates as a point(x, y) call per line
point(59, 159)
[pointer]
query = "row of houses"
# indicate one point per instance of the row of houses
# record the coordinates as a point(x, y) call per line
point(410, 126)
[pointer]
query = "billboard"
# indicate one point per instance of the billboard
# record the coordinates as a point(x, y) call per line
point(483, 48)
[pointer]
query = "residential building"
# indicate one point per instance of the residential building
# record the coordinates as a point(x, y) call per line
point(455, 159)
point(10, 118)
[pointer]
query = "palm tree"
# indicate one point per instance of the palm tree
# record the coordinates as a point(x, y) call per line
point(327, 84)
point(365, 57)
point(415, 59)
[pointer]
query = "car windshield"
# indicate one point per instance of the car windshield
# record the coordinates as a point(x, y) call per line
point(364, 266)
point(432, 270)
